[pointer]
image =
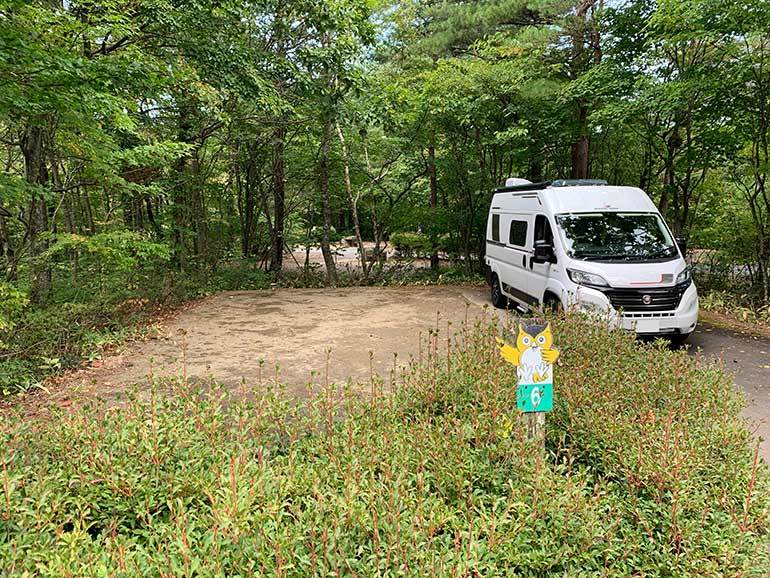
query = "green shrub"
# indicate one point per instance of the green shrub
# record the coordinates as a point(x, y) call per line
point(739, 306)
point(12, 303)
point(60, 336)
point(411, 244)
point(649, 471)
point(112, 265)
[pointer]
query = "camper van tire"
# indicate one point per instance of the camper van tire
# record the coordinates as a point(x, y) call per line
point(552, 303)
point(498, 299)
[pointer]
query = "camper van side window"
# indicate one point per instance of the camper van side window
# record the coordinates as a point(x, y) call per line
point(518, 234)
point(543, 229)
point(496, 228)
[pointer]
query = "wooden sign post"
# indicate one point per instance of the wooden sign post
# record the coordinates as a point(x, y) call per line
point(534, 356)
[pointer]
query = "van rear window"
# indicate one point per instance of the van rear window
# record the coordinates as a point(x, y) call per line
point(518, 233)
point(496, 227)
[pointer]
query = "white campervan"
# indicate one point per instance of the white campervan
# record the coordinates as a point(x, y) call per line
point(591, 246)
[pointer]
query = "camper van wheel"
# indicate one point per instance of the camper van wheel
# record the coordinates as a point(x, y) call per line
point(498, 299)
point(552, 303)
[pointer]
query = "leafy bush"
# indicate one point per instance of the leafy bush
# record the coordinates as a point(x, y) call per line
point(47, 340)
point(113, 263)
point(408, 244)
point(415, 244)
point(648, 471)
point(12, 303)
point(737, 306)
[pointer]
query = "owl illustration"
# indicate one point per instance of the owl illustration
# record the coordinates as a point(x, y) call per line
point(533, 355)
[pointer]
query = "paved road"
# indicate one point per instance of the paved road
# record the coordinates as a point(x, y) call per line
point(747, 358)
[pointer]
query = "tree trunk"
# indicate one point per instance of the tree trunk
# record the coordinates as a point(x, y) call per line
point(584, 23)
point(36, 173)
point(6, 248)
point(151, 218)
point(535, 172)
point(198, 212)
point(323, 185)
point(434, 263)
point(279, 197)
point(178, 210)
point(180, 198)
point(246, 198)
point(580, 148)
point(352, 199)
point(669, 172)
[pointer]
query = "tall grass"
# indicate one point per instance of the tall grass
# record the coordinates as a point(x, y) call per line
point(648, 471)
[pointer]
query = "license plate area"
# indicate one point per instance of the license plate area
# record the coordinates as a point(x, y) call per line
point(647, 325)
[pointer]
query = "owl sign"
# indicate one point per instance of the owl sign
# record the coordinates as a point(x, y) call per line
point(533, 356)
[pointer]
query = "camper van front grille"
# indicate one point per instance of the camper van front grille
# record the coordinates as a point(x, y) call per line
point(647, 299)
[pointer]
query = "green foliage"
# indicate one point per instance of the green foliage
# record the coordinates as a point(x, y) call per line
point(736, 305)
point(410, 244)
point(12, 302)
point(645, 471)
point(203, 126)
point(122, 250)
point(117, 262)
point(229, 276)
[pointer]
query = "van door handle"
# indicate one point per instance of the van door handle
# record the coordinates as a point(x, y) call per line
point(524, 261)
point(531, 263)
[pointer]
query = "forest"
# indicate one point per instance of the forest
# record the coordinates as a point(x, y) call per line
point(164, 159)
point(157, 148)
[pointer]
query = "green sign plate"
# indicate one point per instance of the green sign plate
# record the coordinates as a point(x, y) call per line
point(532, 397)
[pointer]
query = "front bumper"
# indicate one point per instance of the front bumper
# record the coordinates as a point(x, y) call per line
point(679, 321)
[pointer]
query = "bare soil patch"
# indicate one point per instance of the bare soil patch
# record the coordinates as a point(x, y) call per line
point(293, 336)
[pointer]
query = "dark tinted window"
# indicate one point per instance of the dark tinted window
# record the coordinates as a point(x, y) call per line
point(518, 234)
point(495, 227)
point(543, 229)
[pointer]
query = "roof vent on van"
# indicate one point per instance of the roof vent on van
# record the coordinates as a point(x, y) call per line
point(578, 182)
point(514, 182)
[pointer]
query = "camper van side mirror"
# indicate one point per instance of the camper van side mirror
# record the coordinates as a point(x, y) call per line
point(544, 252)
point(682, 244)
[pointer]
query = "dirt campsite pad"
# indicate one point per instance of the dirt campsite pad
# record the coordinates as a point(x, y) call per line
point(242, 337)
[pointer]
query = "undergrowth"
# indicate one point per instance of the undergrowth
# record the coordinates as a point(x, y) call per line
point(648, 471)
point(738, 307)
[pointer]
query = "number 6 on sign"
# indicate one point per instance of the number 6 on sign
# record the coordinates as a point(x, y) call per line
point(534, 356)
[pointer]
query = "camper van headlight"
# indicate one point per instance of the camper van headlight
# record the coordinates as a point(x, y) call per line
point(684, 276)
point(583, 278)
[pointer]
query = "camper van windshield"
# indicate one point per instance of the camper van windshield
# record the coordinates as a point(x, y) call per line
point(616, 236)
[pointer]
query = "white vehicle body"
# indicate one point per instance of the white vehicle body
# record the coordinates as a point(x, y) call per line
point(609, 252)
